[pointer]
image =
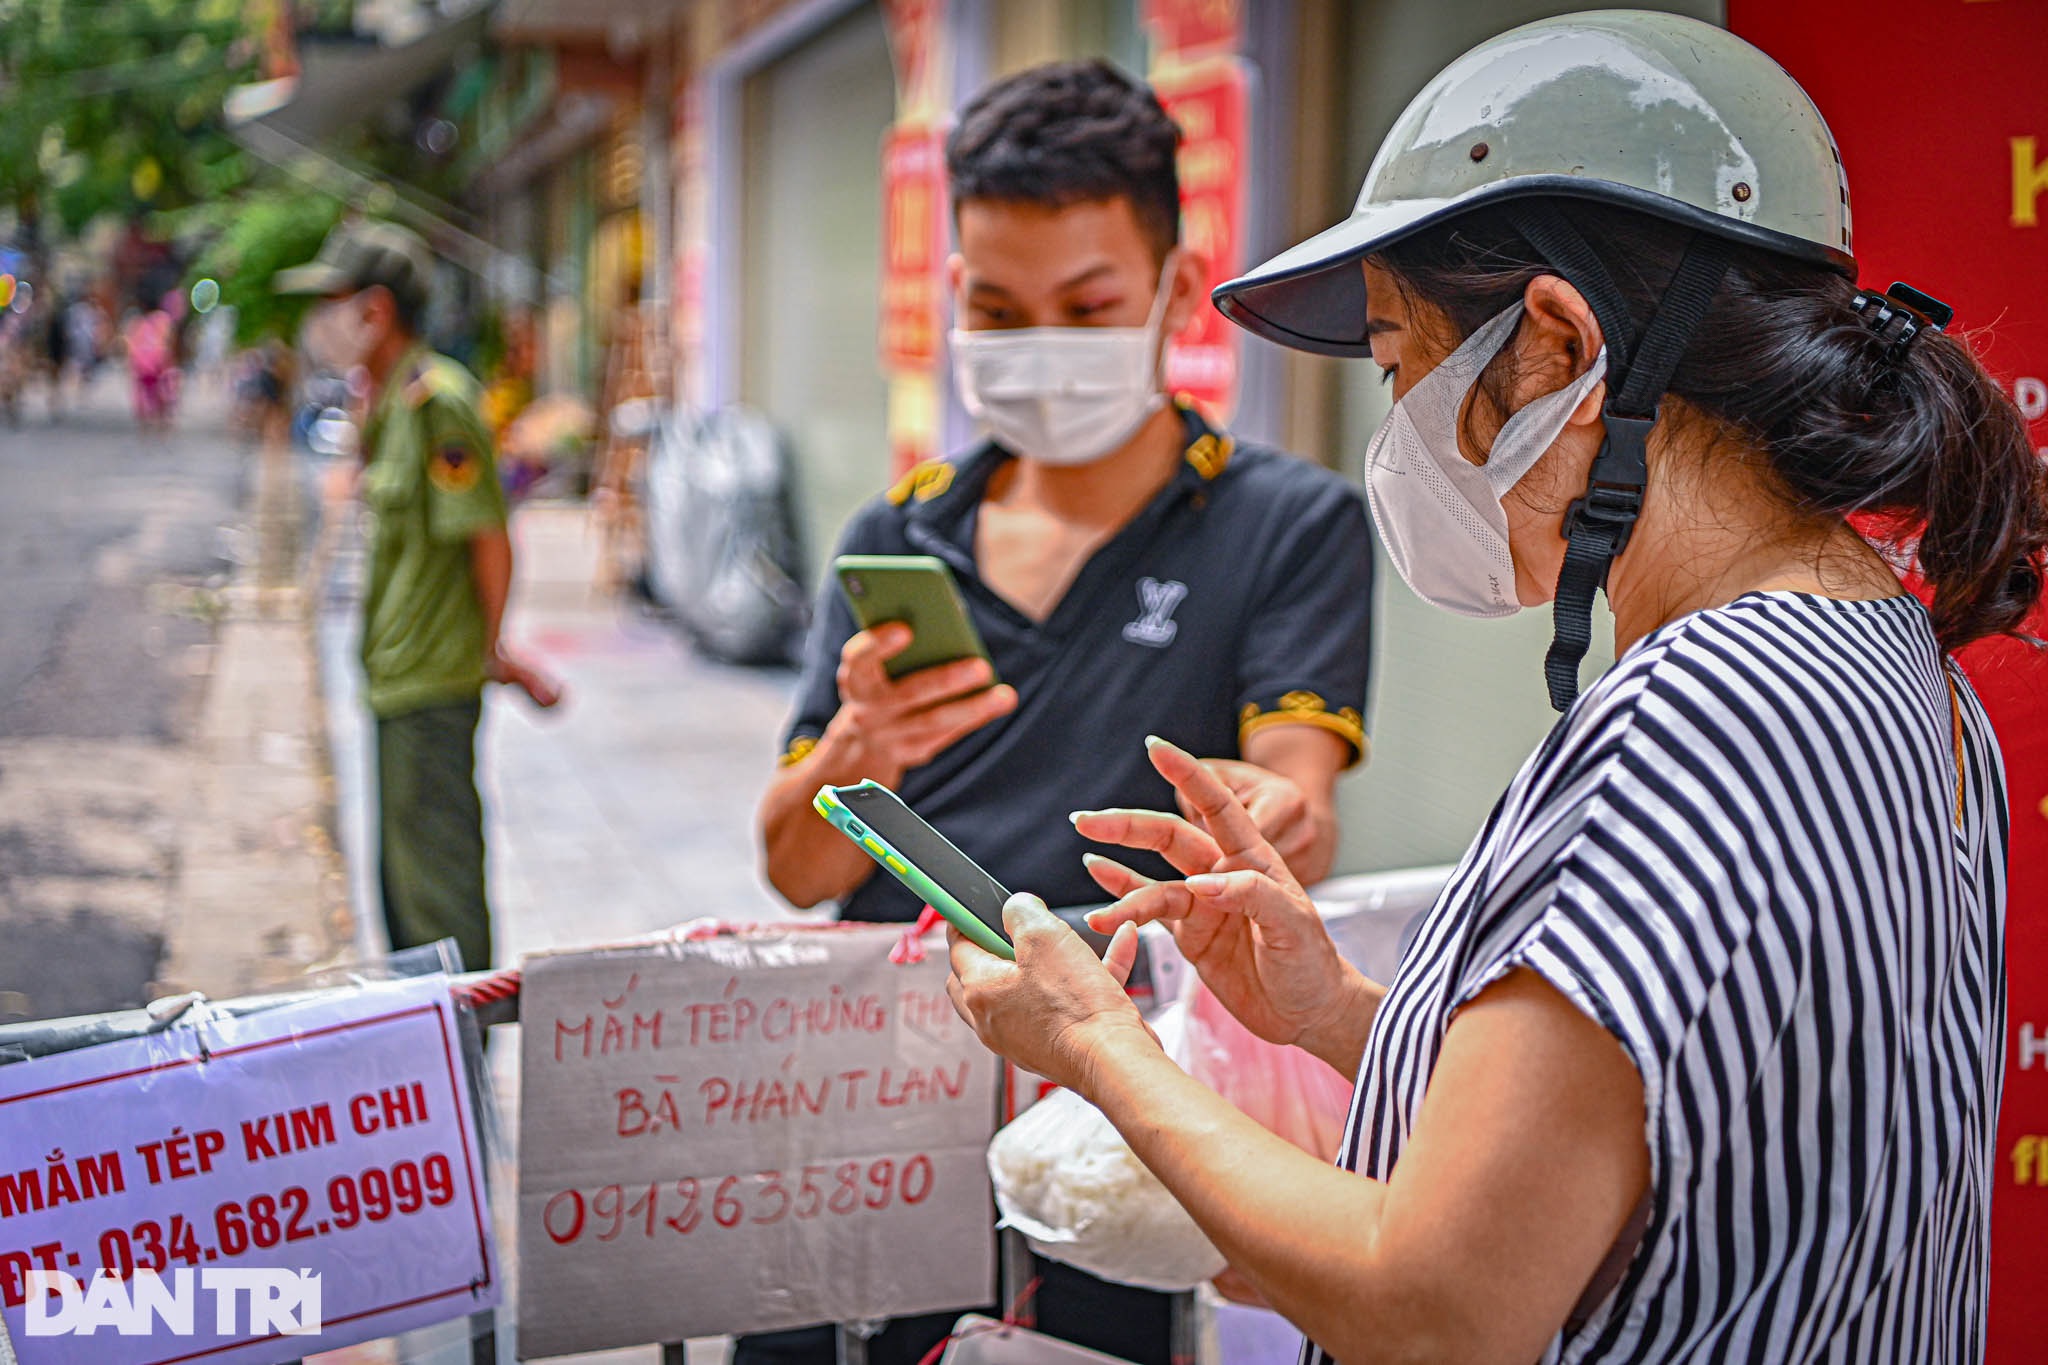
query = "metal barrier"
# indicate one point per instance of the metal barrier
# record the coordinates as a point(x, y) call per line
point(492, 999)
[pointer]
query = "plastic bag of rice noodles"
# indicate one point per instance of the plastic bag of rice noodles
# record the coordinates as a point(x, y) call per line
point(1069, 1182)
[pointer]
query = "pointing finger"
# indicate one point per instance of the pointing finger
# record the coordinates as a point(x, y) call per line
point(1162, 902)
point(1180, 843)
point(1112, 876)
point(1226, 821)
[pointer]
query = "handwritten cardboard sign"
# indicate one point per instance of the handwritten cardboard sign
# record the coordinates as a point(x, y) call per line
point(329, 1138)
point(746, 1133)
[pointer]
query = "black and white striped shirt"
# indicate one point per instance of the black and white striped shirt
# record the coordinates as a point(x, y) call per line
point(1749, 853)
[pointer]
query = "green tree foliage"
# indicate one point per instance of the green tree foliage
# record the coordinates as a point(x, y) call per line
point(253, 237)
point(115, 105)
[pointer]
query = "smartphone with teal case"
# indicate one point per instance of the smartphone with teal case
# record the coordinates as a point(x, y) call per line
point(921, 858)
point(919, 591)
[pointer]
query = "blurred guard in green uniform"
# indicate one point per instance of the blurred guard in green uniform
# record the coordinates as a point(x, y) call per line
point(440, 569)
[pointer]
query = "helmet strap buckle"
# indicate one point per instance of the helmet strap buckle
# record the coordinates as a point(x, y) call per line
point(1599, 525)
point(1614, 492)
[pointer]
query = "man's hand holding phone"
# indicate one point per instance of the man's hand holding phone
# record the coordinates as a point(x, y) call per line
point(896, 724)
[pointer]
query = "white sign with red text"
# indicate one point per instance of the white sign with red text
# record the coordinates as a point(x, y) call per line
point(744, 1133)
point(310, 1172)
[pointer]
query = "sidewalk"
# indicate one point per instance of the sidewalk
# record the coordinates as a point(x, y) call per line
point(626, 809)
point(630, 807)
point(263, 888)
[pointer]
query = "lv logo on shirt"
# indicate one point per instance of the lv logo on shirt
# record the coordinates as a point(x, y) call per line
point(1156, 603)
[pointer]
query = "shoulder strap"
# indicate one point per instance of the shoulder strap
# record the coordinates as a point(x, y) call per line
point(1598, 525)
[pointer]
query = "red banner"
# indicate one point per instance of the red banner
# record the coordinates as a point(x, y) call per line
point(1938, 107)
point(915, 28)
point(913, 246)
point(1209, 103)
point(1184, 28)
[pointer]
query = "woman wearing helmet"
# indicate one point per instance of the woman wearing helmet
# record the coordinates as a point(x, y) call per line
point(1697, 1057)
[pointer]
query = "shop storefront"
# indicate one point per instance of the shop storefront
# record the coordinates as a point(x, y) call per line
point(809, 219)
point(571, 170)
point(813, 226)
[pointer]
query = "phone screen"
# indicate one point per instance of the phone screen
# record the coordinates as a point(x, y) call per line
point(919, 591)
point(880, 810)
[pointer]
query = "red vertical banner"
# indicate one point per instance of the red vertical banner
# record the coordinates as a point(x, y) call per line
point(1209, 101)
point(914, 228)
point(913, 273)
point(1947, 157)
point(1186, 29)
point(915, 30)
point(275, 23)
point(913, 246)
point(692, 243)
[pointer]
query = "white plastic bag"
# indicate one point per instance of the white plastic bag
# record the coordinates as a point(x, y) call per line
point(1066, 1179)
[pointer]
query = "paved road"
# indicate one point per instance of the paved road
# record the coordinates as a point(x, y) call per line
point(112, 551)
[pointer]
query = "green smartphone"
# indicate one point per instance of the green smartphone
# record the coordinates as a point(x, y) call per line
point(919, 591)
point(921, 858)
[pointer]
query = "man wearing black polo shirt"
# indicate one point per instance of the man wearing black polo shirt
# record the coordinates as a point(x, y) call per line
point(1132, 570)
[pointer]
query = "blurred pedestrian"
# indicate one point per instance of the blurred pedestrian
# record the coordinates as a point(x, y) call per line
point(264, 379)
point(274, 381)
point(15, 361)
point(55, 333)
point(440, 571)
point(151, 343)
point(84, 324)
point(216, 331)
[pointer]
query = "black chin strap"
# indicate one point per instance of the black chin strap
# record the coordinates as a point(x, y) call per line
point(1598, 525)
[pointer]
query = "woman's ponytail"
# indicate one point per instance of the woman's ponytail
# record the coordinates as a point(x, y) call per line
point(1978, 490)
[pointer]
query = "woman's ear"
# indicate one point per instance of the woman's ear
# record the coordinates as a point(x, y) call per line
point(1561, 327)
point(1185, 297)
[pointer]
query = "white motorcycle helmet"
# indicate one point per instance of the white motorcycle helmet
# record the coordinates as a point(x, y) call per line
point(1653, 112)
point(1649, 111)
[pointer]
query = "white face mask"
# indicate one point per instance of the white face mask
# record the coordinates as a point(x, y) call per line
point(1440, 515)
point(336, 336)
point(1063, 395)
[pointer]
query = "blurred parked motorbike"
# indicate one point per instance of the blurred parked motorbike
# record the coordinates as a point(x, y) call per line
point(720, 548)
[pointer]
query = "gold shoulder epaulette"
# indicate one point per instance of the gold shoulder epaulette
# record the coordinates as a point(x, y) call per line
point(420, 387)
point(1209, 453)
point(924, 482)
point(433, 380)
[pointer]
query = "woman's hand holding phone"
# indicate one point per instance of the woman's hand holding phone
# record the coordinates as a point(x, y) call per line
point(896, 724)
point(1240, 917)
point(1056, 1008)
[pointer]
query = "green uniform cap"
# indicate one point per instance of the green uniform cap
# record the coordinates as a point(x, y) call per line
point(358, 255)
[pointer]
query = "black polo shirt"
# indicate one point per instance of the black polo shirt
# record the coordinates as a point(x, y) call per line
point(1238, 598)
